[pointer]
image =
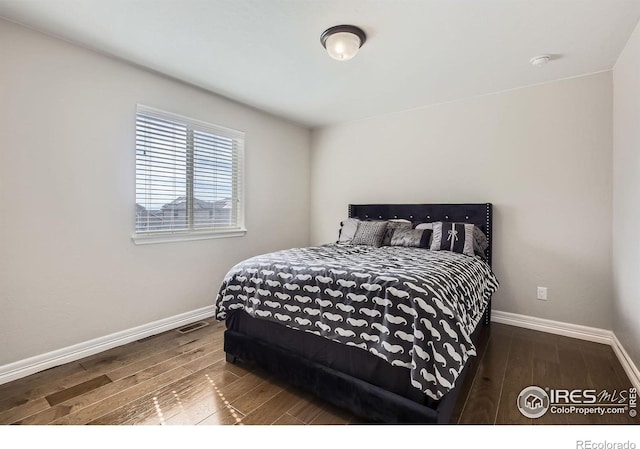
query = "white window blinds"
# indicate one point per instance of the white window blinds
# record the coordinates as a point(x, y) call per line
point(188, 175)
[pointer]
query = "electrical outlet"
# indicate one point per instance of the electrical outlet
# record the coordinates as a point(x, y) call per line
point(542, 293)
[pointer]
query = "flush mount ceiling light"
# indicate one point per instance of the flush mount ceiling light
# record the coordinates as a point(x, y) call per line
point(540, 60)
point(343, 41)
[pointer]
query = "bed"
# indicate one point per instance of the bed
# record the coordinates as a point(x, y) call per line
point(389, 333)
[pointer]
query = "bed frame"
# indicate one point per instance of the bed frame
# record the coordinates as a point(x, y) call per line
point(369, 401)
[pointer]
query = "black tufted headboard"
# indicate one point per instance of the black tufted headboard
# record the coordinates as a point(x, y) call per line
point(478, 214)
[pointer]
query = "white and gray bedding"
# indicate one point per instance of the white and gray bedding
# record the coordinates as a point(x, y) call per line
point(412, 307)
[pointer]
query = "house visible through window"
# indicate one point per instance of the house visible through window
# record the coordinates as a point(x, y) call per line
point(188, 177)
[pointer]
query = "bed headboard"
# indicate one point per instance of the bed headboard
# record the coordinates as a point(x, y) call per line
point(478, 214)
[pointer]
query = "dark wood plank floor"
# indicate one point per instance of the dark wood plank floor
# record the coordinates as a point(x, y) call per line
point(174, 378)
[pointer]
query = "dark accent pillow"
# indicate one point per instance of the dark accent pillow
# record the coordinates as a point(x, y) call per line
point(370, 233)
point(393, 226)
point(416, 238)
point(455, 237)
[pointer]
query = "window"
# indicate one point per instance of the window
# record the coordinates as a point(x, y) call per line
point(188, 178)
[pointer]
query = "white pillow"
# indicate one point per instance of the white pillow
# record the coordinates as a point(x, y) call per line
point(424, 226)
point(348, 229)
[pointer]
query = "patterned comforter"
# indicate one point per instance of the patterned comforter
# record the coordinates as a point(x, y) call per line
point(411, 307)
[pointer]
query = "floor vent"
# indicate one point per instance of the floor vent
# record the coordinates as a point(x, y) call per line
point(192, 327)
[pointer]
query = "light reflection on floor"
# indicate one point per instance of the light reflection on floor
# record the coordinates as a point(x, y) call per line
point(233, 412)
point(158, 410)
point(177, 397)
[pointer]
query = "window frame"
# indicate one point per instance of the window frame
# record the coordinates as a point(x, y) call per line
point(193, 233)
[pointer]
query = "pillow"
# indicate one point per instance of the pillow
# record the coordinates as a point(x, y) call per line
point(480, 239)
point(480, 242)
point(424, 226)
point(416, 238)
point(393, 226)
point(455, 237)
point(347, 230)
point(370, 233)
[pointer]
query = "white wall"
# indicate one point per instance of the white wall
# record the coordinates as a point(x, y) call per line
point(626, 197)
point(69, 271)
point(541, 155)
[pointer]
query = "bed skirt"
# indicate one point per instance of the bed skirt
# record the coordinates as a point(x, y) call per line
point(364, 399)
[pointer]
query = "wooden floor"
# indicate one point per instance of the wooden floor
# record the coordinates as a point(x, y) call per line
point(174, 378)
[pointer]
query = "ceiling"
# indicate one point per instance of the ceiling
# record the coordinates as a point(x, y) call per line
point(267, 53)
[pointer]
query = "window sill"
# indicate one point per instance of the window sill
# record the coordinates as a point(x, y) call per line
point(147, 239)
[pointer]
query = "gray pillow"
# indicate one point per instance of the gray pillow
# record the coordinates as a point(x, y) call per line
point(347, 230)
point(424, 226)
point(370, 233)
point(480, 242)
point(480, 238)
point(392, 227)
point(416, 238)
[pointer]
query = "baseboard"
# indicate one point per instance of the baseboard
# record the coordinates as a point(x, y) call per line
point(629, 367)
point(23, 368)
point(587, 333)
point(42, 362)
point(553, 327)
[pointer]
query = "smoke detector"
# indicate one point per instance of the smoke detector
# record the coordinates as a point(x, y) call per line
point(540, 60)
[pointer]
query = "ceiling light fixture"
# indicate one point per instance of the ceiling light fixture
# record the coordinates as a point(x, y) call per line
point(540, 60)
point(342, 42)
